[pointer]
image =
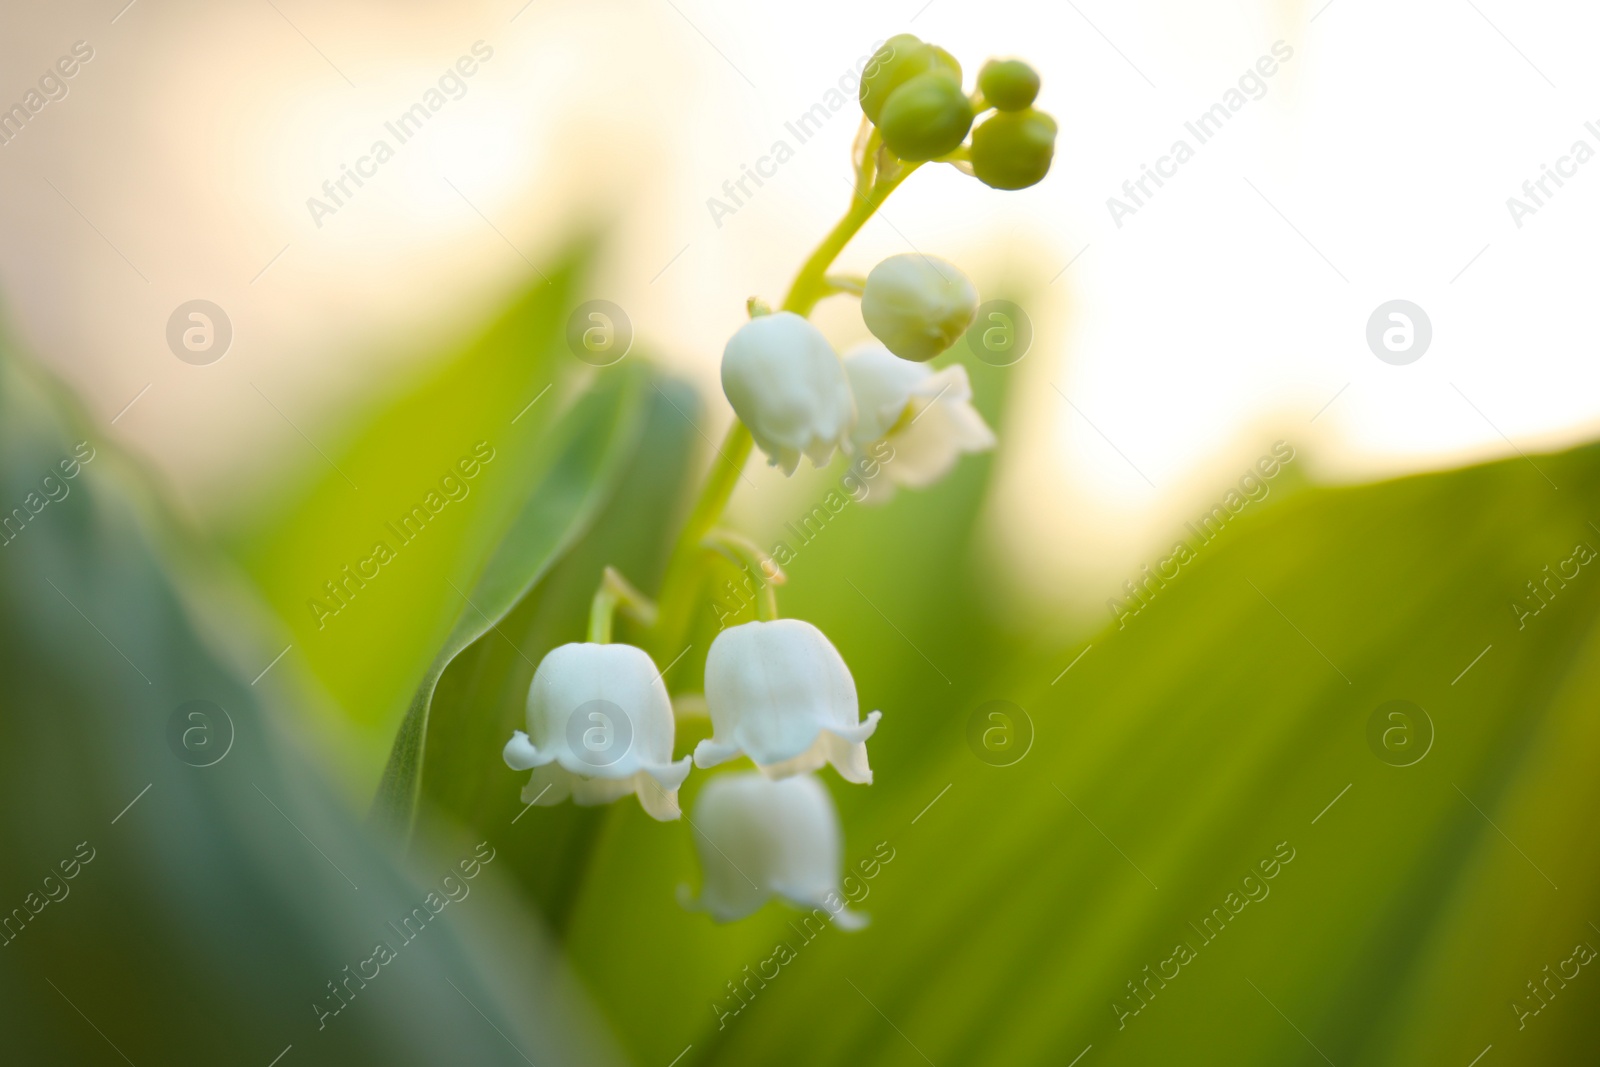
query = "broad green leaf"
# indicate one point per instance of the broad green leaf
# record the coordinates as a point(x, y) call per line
point(1181, 751)
point(481, 697)
point(501, 389)
point(587, 453)
point(633, 877)
point(183, 888)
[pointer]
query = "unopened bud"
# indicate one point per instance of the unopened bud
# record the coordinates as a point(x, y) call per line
point(901, 58)
point(1013, 149)
point(926, 117)
point(918, 305)
point(1008, 84)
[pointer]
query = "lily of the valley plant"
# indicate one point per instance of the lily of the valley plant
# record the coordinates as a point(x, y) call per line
point(600, 722)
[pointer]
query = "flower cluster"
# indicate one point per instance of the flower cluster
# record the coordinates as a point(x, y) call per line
point(797, 397)
point(912, 93)
point(600, 722)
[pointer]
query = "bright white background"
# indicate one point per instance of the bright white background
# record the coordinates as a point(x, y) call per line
point(1226, 313)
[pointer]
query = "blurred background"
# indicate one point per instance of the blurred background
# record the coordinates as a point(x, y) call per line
point(1376, 166)
point(379, 331)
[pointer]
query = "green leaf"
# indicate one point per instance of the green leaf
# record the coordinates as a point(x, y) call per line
point(482, 695)
point(502, 389)
point(1181, 751)
point(185, 890)
point(587, 453)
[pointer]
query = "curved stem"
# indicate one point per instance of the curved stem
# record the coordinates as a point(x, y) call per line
point(684, 575)
point(601, 610)
point(864, 154)
point(762, 573)
point(767, 603)
point(809, 285)
point(854, 284)
point(615, 591)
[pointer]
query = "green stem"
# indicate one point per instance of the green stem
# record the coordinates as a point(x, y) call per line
point(763, 573)
point(865, 155)
point(684, 574)
point(767, 603)
point(601, 611)
point(615, 591)
point(853, 284)
point(810, 285)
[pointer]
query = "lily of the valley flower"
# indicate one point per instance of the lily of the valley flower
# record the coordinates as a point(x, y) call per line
point(918, 305)
point(786, 384)
point(779, 693)
point(758, 839)
point(600, 726)
point(926, 415)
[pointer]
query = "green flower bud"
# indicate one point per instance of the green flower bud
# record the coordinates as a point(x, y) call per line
point(918, 305)
point(946, 62)
point(1008, 84)
point(901, 58)
point(1013, 149)
point(926, 117)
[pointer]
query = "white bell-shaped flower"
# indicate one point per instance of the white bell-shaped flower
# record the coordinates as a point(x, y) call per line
point(918, 305)
point(600, 726)
point(926, 416)
point(780, 693)
point(786, 384)
point(758, 839)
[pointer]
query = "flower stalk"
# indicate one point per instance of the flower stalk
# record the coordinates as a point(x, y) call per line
point(748, 557)
point(615, 592)
point(914, 110)
point(685, 572)
point(600, 721)
point(810, 284)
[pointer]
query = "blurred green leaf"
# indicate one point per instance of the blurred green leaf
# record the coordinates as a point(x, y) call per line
point(1179, 752)
point(503, 389)
point(588, 450)
point(1227, 721)
point(482, 694)
point(185, 890)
